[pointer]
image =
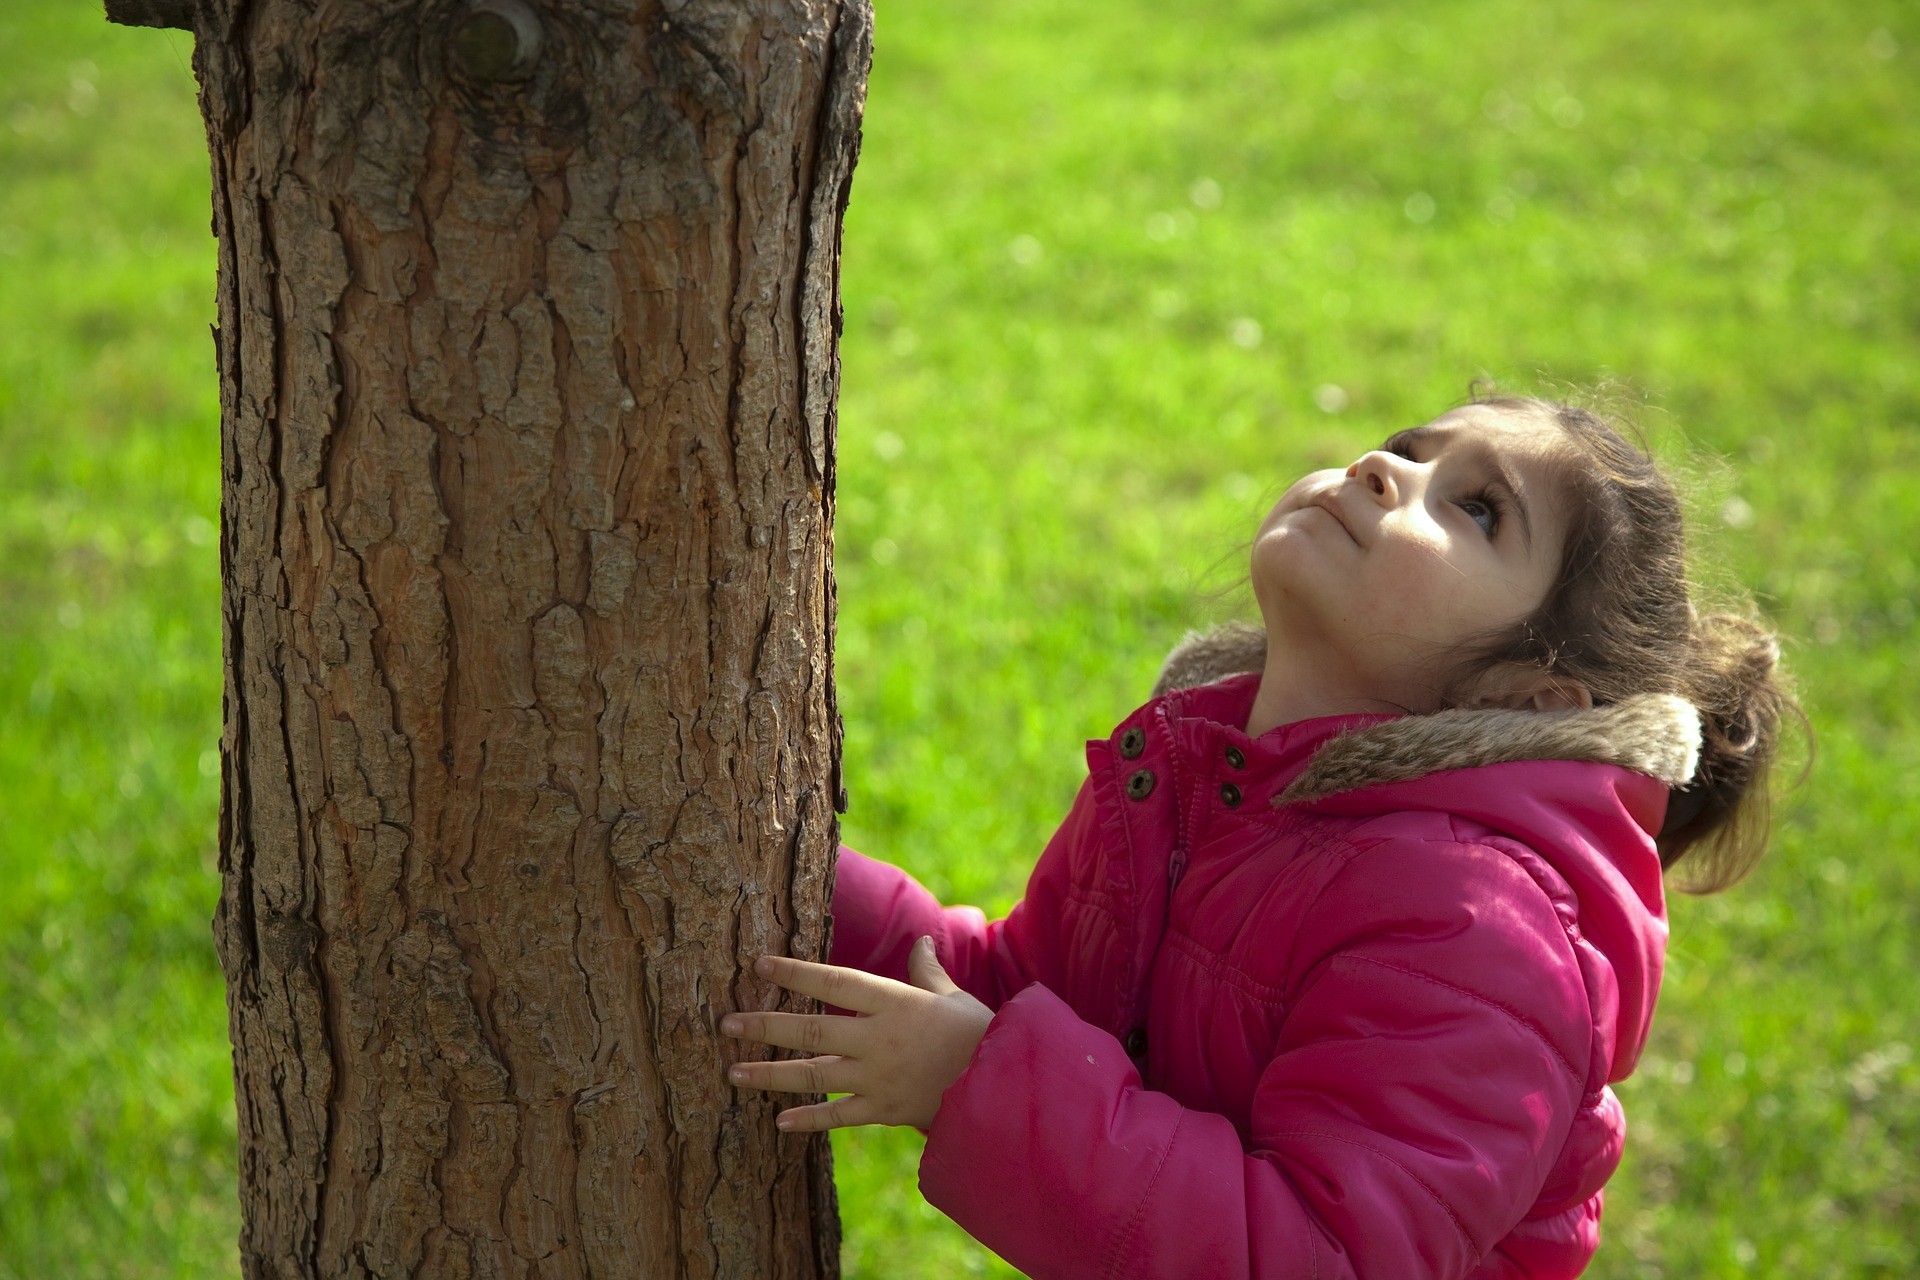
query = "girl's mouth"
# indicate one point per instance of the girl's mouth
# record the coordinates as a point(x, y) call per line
point(1327, 504)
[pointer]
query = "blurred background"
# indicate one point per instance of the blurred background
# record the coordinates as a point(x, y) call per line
point(1115, 273)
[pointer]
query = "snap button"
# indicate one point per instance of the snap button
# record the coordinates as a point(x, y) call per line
point(1132, 742)
point(1140, 784)
point(1230, 794)
point(1136, 1043)
point(1235, 759)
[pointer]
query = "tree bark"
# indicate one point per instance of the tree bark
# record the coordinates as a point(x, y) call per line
point(528, 313)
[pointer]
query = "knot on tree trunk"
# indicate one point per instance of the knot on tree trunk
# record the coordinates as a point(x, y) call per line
point(153, 13)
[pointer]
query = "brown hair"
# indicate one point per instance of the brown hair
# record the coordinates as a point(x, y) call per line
point(1620, 619)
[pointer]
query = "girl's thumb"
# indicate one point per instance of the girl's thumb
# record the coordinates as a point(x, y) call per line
point(923, 966)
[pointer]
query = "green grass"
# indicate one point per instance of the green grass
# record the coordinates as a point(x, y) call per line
point(1103, 264)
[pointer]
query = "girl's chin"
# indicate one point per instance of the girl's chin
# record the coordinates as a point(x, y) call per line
point(1287, 570)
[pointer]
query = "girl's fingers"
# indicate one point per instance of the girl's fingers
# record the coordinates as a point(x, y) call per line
point(811, 1033)
point(840, 1113)
point(847, 988)
point(804, 1075)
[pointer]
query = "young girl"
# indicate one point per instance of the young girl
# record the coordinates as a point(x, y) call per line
point(1329, 967)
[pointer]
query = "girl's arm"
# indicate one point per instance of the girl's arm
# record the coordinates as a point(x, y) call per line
point(1404, 1126)
point(879, 911)
point(919, 1026)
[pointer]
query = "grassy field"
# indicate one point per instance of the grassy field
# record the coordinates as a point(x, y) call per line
point(1113, 278)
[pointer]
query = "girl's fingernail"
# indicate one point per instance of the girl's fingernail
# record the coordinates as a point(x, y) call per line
point(764, 966)
point(782, 1122)
point(730, 1025)
point(737, 1074)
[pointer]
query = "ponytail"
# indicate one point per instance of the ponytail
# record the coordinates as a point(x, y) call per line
point(1722, 818)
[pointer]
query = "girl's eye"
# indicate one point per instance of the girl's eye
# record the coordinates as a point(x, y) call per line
point(1399, 446)
point(1484, 512)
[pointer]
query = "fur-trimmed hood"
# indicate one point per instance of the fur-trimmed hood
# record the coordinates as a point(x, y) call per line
point(1654, 734)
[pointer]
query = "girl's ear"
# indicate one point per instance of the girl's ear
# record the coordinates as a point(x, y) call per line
point(1513, 687)
point(1555, 694)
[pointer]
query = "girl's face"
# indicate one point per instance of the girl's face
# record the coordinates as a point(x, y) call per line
point(1373, 579)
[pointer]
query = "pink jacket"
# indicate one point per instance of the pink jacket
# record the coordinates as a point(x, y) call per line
point(1341, 1000)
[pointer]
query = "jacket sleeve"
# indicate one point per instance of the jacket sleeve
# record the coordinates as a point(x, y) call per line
point(1424, 1080)
point(879, 911)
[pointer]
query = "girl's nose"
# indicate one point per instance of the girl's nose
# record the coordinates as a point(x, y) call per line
point(1379, 471)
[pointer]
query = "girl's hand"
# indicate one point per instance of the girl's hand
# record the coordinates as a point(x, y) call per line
point(896, 1058)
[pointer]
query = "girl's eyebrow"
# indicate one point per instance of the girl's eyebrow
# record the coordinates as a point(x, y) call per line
point(1408, 438)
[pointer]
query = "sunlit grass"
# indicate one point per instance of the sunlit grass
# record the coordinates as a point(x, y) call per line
point(1114, 274)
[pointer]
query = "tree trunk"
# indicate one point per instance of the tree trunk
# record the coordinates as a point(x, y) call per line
point(528, 314)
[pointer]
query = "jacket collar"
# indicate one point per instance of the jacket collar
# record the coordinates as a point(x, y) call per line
point(1653, 734)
